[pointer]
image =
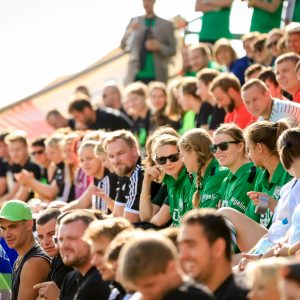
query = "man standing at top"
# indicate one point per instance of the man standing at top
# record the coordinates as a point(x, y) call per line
point(226, 89)
point(151, 42)
point(32, 265)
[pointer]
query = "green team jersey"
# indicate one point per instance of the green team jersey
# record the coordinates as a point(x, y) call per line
point(263, 21)
point(187, 122)
point(215, 25)
point(272, 188)
point(235, 186)
point(210, 185)
point(178, 195)
point(149, 69)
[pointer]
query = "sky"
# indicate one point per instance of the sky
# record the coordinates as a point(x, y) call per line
point(42, 40)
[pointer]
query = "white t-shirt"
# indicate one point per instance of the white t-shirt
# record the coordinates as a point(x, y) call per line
point(289, 200)
point(284, 109)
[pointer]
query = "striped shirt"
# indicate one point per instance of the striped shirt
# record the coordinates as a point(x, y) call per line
point(108, 184)
point(282, 109)
point(129, 190)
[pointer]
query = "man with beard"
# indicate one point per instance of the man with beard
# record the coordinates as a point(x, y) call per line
point(122, 150)
point(84, 282)
point(105, 118)
point(205, 253)
point(226, 89)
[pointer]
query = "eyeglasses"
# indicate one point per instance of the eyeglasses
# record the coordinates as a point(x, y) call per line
point(163, 159)
point(222, 146)
point(37, 152)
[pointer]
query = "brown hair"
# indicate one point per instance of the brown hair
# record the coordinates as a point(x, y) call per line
point(148, 161)
point(146, 256)
point(207, 75)
point(253, 69)
point(288, 146)
point(214, 226)
point(268, 74)
point(108, 228)
point(265, 132)
point(77, 215)
point(125, 135)
point(197, 140)
point(255, 82)
point(232, 130)
point(225, 82)
point(138, 88)
point(163, 140)
point(221, 44)
point(189, 86)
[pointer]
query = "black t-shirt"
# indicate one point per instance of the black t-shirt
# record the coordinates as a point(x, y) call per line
point(29, 166)
point(189, 291)
point(108, 184)
point(110, 119)
point(88, 287)
point(129, 190)
point(230, 290)
point(66, 190)
point(58, 271)
point(3, 167)
point(210, 115)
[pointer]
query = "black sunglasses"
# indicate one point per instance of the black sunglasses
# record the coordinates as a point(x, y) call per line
point(37, 152)
point(222, 146)
point(163, 159)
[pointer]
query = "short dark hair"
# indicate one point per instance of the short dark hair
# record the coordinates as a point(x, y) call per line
point(48, 215)
point(290, 56)
point(3, 134)
point(79, 105)
point(268, 74)
point(39, 142)
point(214, 226)
point(253, 69)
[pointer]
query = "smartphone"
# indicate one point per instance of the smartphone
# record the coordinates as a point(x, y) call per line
point(263, 204)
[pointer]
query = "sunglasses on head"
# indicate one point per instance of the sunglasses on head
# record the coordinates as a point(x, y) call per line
point(222, 146)
point(37, 152)
point(163, 159)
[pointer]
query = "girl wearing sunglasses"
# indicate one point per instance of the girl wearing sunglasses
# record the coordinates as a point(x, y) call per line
point(152, 183)
point(199, 161)
point(261, 139)
point(166, 154)
point(229, 149)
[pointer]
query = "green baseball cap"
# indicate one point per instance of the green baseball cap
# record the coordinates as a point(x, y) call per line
point(16, 210)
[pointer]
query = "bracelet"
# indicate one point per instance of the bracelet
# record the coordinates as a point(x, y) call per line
point(289, 252)
point(145, 196)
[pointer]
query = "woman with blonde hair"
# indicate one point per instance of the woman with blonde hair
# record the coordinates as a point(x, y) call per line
point(152, 183)
point(263, 277)
point(208, 175)
point(165, 153)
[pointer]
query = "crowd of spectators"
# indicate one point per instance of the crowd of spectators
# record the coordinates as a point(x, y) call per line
point(183, 188)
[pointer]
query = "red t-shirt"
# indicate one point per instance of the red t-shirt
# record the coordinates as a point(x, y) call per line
point(240, 116)
point(296, 97)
